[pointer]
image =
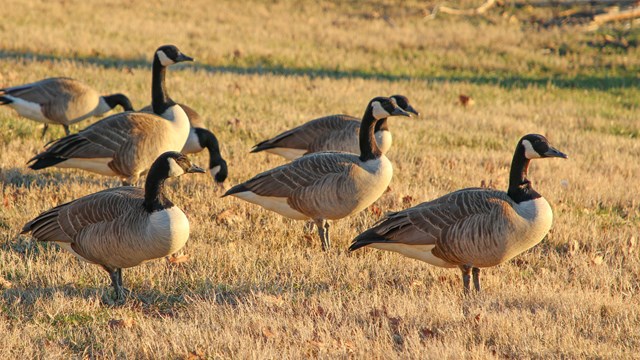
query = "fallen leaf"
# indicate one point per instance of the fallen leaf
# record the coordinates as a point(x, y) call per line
point(179, 259)
point(272, 300)
point(477, 318)
point(6, 284)
point(194, 355)
point(228, 217)
point(466, 100)
point(121, 323)
point(375, 210)
point(268, 333)
point(598, 260)
point(426, 333)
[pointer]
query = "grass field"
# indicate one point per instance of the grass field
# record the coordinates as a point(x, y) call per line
point(257, 285)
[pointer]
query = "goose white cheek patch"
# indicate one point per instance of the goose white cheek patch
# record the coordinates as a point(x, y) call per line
point(175, 170)
point(378, 111)
point(164, 59)
point(529, 152)
point(214, 171)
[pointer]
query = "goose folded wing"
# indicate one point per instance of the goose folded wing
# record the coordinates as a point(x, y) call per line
point(303, 136)
point(63, 223)
point(441, 220)
point(315, 170)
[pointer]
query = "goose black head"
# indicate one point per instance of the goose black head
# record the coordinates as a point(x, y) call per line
point(170, 54)
point(403, 103)
point(176, 164)
point(537, 146)
point(118, 99)
point(383, 107)
point(219, 171)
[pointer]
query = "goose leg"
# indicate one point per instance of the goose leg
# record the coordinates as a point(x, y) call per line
point(66, 130)
point(476, 278)
point(466, 277)
point(327, 240)
point(44, 130)
point(116, 282)
point(323, 232)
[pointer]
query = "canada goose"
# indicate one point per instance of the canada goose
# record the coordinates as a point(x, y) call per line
point(327, 185)
point(120, 227)
point(199, 139)
point(61, 100)
point(126, 144)
point(475, 227)
point(329, 133)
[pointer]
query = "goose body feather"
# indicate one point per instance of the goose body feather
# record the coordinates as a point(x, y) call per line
point(112, 228)
point(329, 133)
point(123, 144)
point(55, 101)
point(328, 185)
point(475, 226)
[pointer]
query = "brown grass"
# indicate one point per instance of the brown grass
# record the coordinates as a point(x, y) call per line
point(257, 285)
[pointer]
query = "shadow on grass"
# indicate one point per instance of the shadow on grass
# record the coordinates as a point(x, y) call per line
point(25, 178)
point(506, 81)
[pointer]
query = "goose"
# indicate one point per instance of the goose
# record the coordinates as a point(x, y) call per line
point(199, 139)
point(125, 144)
point(472, 228)
point(327, 185)
point(329, 133)
point(60, 100)
point(120, 227)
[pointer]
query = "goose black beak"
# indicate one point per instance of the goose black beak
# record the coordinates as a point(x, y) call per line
point(398, 111)
point(182, 57)
point(412, 110)
point(195, 169)
point(553, 152)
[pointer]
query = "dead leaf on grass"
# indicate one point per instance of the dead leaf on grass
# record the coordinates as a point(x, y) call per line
point(5, 284)
point(177, 259)
point(268, 333)
point(125, 323)
point(597, 260)
point(466, 100)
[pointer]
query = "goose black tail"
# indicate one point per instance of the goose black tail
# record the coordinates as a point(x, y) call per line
point(4, 100)
point(236, 189)
point(42, 161)
point(366, 238)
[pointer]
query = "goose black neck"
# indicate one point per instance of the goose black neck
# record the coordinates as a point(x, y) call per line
point(368, 147)
point(520, 188)
point(160, 100)
point(118, 99)
point(154, 198)
point(382, 125)
point(210, 142)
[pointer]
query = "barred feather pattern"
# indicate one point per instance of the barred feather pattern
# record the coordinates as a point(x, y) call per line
point(110, 228)
point(475, 226)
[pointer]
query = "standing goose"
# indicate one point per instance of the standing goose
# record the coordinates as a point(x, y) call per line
point(329, 133)
point(120, 227)
point(327, 185)
point(126, 144)
point(199, 139)
point(61, 101)
point(475, 227)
